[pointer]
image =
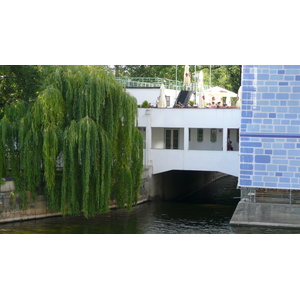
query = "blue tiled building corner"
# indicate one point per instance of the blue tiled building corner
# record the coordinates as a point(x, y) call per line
point(270, 127)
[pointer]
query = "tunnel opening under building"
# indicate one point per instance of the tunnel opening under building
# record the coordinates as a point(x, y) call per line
point(195, 187)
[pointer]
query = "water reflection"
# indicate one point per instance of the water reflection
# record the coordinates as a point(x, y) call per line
point(207, 211)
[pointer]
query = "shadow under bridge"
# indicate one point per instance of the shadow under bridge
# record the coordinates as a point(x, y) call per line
point(195, 186)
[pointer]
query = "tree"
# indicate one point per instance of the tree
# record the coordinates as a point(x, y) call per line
point(20, 83)
point(82, 117)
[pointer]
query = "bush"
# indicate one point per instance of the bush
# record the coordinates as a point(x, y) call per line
point(145, 104)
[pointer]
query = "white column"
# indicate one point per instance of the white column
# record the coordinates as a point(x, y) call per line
point(148, 139)
point(186, 139)
point(225, 139)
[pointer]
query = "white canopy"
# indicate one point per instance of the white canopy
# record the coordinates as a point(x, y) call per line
point(217, 91)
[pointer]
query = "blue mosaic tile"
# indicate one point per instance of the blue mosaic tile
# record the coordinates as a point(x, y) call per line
point(282, 96)
point(270, 179)
point(285, 89)
point(281, 109)
point(248, 76)
point(294, 110)
point(270, 184)
point(273, 89)
point(246, 167)
point(294, 96)
point(246, 182)
point(283, 179)
point(294, 72)
point(280, 161)
point(247, 114)
point(293, 129)
point(296, 89)
point(276, 77)
point(283, 185)
point(262, 159)
point(263, 76)
point(261, 173)
point(279, 152)
point(246, 172)
point(290, 67)
point(268, 95)
point(247, 158)
point(289, 78)
point(282, 168)
point(270, 118)
point(271, 168)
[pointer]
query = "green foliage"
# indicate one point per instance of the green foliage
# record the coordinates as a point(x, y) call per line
point(21, 83)
point(145, 104)
point(85, 119)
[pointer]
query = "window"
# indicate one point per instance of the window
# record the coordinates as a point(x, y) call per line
point(200, 135)
point(168, 100)
point(172, 138)
point(213, 135)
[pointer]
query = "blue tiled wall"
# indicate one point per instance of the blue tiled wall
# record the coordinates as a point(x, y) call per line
point(270, 127)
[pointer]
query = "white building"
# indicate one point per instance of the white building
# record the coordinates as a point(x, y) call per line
point(190, 139)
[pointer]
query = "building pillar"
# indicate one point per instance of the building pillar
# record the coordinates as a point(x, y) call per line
point(225, 138)
point(186, 139)
point(148, 159)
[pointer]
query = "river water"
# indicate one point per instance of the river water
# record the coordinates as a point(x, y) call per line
point(207, 211)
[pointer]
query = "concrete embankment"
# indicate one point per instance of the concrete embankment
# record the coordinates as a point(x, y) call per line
point(11, 206)
point(266, 214)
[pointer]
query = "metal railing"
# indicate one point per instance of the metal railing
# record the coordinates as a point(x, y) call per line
point(270, 195)
point(154, 82)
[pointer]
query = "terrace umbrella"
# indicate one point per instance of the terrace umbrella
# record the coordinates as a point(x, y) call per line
point(217, 92)
point(238, 102)
point(201, 90)
point(162, 97)
point(187, 78)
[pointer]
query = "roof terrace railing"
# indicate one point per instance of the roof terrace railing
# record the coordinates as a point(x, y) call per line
point(153, 82)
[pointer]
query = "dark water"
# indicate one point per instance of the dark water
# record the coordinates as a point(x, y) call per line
point(207, 211)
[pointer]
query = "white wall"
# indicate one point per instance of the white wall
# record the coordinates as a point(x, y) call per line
point(157, 119)
point(151, 95)
point(193, 160)
point(206, 144)
point(158, 138)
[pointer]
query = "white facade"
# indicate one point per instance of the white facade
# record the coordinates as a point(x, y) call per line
point(190, 139)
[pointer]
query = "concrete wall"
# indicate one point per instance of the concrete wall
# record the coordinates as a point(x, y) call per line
point(11, 208)
point(266, 214)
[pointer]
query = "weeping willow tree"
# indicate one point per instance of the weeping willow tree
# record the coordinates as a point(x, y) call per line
point(85, 121)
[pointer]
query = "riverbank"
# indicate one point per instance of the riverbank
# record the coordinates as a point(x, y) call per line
point(11, 206)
